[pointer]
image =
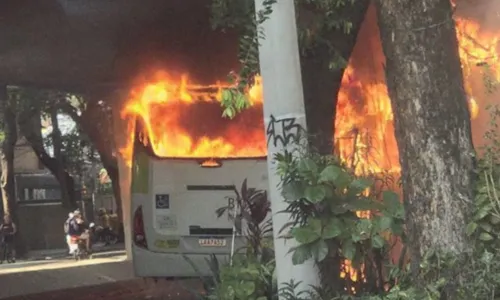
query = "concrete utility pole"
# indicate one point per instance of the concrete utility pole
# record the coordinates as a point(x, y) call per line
point(285, 120)
point(125, 175)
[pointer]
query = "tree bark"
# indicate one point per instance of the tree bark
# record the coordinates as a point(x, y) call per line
point(67, 186)
point(8, 143)
point(96, 122)
point(320, 81)
point(432, 122)
point(29, 128)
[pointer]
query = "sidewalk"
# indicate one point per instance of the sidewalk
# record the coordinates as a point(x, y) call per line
point(63, 253)
point(134, 289)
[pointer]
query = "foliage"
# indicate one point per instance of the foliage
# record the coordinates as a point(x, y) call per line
point(485, 224)
point(252, 207)
point(325, 200)
point(317, 19)
point(242, 17)
point(77, 148)
point(250, 275)
point(246, 279)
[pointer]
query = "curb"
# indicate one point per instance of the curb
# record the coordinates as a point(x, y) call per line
point(58, 254)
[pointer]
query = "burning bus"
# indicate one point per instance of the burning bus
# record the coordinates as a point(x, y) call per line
point(187, 158)
point(182, 174)
point(174, 201)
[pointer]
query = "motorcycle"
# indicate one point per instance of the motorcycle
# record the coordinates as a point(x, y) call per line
point(79, 249)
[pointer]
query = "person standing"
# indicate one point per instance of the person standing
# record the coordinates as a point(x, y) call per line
point(66, 231)
point(8, 231)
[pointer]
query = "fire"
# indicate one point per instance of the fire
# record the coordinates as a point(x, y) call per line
point(182, 119)
point(178, 120)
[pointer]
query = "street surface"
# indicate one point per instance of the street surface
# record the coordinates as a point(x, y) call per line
point(108, 276)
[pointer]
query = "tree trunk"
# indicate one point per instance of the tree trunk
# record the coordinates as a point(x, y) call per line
point(67, 186)
point(8, 128)
point(432, 122)
point(8, 143)
point(321, 81)
point(115, 183)
point(96, 122)
point(29, 129)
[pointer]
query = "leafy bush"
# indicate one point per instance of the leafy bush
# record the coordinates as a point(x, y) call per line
point(253, 208)
point(245, 279)
point(250, 275)
point(325, 200)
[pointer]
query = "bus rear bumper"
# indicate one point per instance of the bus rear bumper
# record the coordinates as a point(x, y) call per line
point(158, 265)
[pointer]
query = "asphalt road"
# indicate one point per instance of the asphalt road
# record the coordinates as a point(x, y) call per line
point(108, 275)
point(39, 276)
point(51, 263)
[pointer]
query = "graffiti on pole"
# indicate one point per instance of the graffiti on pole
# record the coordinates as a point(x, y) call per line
point(283, 131)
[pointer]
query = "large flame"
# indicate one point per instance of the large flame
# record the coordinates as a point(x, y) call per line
point(182, 119)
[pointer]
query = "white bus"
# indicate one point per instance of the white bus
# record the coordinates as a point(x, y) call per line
point(173, 211)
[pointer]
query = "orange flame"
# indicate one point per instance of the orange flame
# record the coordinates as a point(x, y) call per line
point(181, 119)
point(178, 116)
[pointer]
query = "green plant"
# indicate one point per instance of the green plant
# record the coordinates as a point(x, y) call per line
point(250, 276)
point(324, 199)
point(485, 223)
point(321, 24)
point(252, 207)
point(246, 279)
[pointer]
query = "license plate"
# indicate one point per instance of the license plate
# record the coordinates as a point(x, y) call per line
point(212, 242)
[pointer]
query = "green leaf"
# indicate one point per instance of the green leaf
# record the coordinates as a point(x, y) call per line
point(304, 235)
point(378, 241)
point(356, 237)
point(330, 174)
point(359, 185)
point(495, 220)
point(343, 180)
point(301, 254)
point(486, 226)
point(332, 229)
point(391, 199)
point(397, 227)
point(315, 225)
point(471, 228)
point(364, 228)
point(384, 223)
point(308, 165)
point(485, 237)
point(362, 204)
point(245, 289)
point(315, 193)
point(393, 205)
point(291, 192)
point(320, 250)
point(227, 95)
point(349, 250)
point(482, 212)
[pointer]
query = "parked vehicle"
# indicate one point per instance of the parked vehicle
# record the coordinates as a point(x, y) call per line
point(79, 249)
